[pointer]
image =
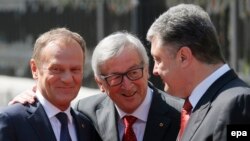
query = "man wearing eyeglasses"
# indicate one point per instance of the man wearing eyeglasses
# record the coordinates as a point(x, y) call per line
point(120, 64)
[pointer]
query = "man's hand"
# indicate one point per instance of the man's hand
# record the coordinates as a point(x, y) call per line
point(27, 96)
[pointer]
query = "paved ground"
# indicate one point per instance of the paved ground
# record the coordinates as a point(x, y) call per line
point(11, 86)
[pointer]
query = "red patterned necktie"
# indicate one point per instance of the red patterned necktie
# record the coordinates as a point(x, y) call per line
point(129, 134)
point(185, 114)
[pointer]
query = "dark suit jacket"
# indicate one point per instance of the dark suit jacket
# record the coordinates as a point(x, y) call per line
point(227, 101)
point(163, 118)
point(30, 123)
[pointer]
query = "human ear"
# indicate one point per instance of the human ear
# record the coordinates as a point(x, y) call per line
point(185, 55)
point(34, 68)
point(100, 84)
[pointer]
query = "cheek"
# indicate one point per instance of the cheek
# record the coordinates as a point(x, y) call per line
point(78, 79)
point(162, 67)
point(144, 81)
point(51, 81)
point(46, 84)
point(141, 86)
point(43, 78)
point(114, 94)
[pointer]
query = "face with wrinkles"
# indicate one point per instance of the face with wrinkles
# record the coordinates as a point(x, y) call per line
point(129, 94)
point(170, 67)
point(60, 71)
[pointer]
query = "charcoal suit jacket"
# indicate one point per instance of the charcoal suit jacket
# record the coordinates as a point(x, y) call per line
point(226, 102)
point(163, 118)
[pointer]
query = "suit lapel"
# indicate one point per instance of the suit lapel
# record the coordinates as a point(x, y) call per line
point(158, 121)
point(40, 122)
point(107, 120)
point(204, 104)
point(79, 125)
point(195, 120)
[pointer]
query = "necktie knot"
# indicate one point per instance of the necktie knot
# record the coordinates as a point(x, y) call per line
point(185, 113)
point(187, 106)
point(129, 120)
point(129, 134)
point(62, 117)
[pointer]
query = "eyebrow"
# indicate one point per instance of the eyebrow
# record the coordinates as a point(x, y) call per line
point(130, 68)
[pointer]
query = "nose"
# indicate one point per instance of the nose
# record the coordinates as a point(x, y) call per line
point(126, 83)
point(155, 70)
point(67, 77)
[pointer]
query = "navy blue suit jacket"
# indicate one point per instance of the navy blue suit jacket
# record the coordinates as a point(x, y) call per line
point(30, 123)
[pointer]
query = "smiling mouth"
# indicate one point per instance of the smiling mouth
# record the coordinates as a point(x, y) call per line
point(129, 95)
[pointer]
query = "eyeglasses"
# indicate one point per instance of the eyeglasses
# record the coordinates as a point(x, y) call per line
point(116, 79)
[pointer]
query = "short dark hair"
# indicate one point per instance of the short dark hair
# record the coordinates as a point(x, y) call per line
point(188, 25)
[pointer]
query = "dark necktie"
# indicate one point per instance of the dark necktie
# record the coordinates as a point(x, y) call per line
point(185, 114)
point(64, 134)
point(129, 134)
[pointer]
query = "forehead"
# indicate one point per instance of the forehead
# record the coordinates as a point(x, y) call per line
point(122, 62)
point(64, 52)
point(156, 46)
point(160, 49)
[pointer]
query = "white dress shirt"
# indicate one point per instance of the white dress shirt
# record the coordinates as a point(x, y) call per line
point(51, 112)
point(202, 87)
point(141, 113)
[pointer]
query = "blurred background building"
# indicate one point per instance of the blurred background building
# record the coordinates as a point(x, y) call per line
point(22, 21)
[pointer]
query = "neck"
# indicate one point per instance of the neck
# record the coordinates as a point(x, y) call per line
point(199, 73)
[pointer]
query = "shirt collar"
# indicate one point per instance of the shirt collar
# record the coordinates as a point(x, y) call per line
point(142, 111)
point(202, 87)
point(49, 108)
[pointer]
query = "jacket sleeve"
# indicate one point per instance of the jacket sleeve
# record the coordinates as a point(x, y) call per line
point(7, 131)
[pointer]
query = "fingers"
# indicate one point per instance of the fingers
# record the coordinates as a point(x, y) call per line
point(27, 96)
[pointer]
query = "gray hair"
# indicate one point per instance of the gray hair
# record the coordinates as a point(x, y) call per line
point(188, 25)
point(113, 45)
